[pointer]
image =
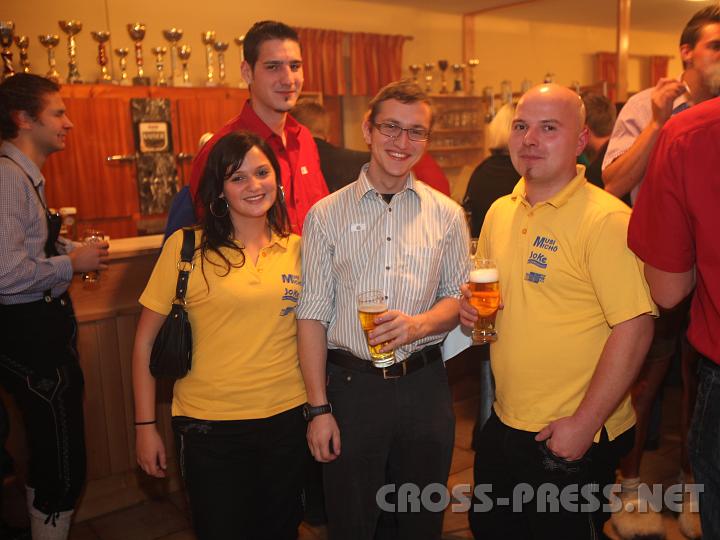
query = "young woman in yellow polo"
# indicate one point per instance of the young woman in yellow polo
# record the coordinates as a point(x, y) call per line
point(237, 415)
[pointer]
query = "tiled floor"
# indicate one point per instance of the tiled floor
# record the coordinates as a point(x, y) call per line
point(165, 519)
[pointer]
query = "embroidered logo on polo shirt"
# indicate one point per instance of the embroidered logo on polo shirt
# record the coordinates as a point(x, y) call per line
point(291, 294)
point(538, 259)
point(303, 170)
point(549, 244)
point(534, 277)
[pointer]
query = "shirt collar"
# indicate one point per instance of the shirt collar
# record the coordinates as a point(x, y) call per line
point(363, 184)
point(27, 165)
point(254, 123)
point(561, 197)
point(280, 241)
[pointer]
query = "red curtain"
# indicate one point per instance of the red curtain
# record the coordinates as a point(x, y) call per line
point(323, 61)
point(606, 70)
point(375, 60)
point(658, 68)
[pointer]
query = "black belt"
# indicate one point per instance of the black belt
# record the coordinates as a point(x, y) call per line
point(414, 362)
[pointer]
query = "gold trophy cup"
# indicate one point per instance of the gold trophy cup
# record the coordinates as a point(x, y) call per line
point(7, 29)
point(159, 53)
point(50, 41)
point(443, 65)
point(184, 56)
point(208, 39)
point(472, 64)
point(23, 42)
point(428, 68)
point(220, 48)
point(414, 69)
point(72, 28)
point(458, 70)
point(137, 34)
point(173, 36)
point(240, 41)
point(122, 54)
point(102, 38)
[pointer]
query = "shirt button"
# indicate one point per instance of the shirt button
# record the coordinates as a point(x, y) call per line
point(388, 238)
point(389, 209)
point(264, 254)
point(524, 231)
point(387, 268)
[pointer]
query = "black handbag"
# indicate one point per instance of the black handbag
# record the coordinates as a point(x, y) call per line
point(171, 356)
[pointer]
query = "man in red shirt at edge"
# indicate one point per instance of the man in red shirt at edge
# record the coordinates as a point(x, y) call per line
point(674, 230)
point(274, 72)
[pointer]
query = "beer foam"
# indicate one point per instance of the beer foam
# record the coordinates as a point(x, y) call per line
point(484, 275)
point(372, 308)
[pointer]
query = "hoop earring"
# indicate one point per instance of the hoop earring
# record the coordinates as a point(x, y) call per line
point(215, 212)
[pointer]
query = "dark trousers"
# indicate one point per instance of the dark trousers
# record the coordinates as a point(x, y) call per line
point(705, 445)
point(39, 367)
point(506, 457)
point(394, 431)
point(244, 477)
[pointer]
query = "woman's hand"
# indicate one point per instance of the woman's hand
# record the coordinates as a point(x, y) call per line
point(150, 451)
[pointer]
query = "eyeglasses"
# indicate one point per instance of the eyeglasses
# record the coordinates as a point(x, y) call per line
point(394, 131)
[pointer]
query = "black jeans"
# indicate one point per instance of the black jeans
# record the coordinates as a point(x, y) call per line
point(506, 457)
point(393, 431)
point(244, 477)
point(39, 367)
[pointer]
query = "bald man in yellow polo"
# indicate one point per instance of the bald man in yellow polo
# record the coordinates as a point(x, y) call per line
point(576, 324)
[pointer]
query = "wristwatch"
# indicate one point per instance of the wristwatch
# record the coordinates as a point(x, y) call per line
point(310, 412)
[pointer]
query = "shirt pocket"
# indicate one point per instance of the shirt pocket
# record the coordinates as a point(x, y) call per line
point(419, 274)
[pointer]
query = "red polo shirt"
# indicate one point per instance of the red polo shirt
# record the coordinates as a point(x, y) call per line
point(676, 218)
point(302, 178)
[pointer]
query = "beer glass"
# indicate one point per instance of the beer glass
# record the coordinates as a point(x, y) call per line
point(485, 288)
point(92, 236)
point(372, 304)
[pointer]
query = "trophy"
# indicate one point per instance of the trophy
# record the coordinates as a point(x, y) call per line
point(443, 65)
point(50, 41)
point(458, 70)
point(239, 41)
point(208, 39)
point(184, 55)
point(173, 35)
point(489, 97)
point(159, 53)
point(549, 78)
point(137, 34)
point(525, 85)
point(414, 69)
point(472, 64)
point(506, 92)
point(22, 43)
point(122, 54)
point(72, 28)
point(428, 77)
point(6, 39)
point(220, 48)
point(102, 37)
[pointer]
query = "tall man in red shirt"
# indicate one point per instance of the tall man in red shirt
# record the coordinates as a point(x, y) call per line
point(674, 230)
point(273, 69)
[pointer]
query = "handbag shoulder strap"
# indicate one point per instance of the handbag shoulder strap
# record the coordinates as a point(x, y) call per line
point(185, 265)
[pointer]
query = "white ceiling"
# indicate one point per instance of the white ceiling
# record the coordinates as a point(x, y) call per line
point(653, 15)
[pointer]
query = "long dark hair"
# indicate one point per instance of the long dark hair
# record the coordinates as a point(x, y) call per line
point(226, 157)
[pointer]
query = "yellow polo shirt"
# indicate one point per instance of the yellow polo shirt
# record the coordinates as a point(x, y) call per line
point(245, 362)
point(566, 277)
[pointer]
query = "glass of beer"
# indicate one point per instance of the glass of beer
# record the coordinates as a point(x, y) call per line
point(372, 304)
point(92, 236)
point(485, 288)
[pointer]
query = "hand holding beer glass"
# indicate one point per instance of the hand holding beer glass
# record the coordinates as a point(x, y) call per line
point(372, 304)
point(485, 289)
point(92, 236)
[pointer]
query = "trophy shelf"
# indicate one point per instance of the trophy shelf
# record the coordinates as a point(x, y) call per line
point(459, 131)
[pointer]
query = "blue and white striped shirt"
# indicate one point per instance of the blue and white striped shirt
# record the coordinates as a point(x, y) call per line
point(415, 248)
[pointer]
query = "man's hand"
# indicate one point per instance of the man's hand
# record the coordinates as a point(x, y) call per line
point(665, 92)
point(568, 438)
point(323, 436)
point(89, 257)
point(397, 329)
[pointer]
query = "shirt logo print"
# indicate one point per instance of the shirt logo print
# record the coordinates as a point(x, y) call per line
point(291, 294)
point(538, 259)
point(548, 244)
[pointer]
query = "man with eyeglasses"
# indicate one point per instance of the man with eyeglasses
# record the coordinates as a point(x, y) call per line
point(377, 429)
